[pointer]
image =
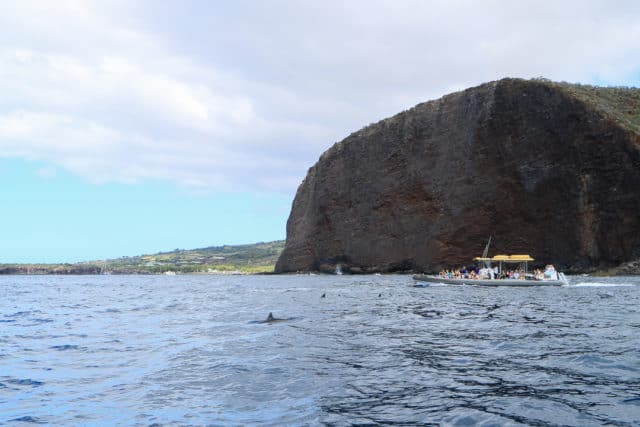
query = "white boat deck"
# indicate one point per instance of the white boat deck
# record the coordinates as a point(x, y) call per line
point(486, 282)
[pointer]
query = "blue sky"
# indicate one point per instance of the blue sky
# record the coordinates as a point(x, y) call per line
point(52, 216)
point(135, 127)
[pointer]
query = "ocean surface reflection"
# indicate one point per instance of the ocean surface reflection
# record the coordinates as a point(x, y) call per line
point(190, 350)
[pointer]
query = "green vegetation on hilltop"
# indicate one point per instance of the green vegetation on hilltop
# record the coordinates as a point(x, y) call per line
point(254, 258)
point(620, 103)
point(246, 259)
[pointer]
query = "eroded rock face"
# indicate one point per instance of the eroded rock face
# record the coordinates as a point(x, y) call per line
point(540, 170)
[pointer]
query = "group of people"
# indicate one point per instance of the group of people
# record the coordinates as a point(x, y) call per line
point(475, 273)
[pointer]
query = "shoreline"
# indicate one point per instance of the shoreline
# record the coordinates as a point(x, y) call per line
point(603, 274)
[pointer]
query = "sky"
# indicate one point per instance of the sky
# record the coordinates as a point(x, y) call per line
point(137, 127)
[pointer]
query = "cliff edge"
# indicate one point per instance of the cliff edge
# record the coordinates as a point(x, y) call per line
point(549, 169)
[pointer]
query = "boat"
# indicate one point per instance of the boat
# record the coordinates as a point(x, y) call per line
point(560, 281)
point(550, 277)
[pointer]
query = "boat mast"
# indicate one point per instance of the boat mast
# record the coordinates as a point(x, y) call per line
point(485, 253)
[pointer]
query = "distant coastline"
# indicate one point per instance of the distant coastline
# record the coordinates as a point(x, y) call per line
point(257, 258)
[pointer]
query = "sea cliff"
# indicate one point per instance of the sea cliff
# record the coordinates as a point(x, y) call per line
point(548, 169)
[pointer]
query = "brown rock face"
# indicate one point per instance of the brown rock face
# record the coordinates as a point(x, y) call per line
point(547, 169)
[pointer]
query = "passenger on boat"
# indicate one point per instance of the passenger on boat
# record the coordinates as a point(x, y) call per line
point(538, 274)
point(485, 273)
point(550, 272)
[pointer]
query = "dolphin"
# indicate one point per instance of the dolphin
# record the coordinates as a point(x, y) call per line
point(270, 319)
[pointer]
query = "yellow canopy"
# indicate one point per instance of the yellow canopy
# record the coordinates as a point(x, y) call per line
point(519, 258)
point(506, 258)
point(512, 258)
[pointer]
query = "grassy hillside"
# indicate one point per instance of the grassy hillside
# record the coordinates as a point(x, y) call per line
point(248, 259)
point(255, 258)
point(620, 103)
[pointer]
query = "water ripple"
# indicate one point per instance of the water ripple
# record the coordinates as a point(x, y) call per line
point(28, 419)
point(194, 350)
point(26, 381)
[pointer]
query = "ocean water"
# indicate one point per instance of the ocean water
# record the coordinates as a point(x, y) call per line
point(190, 350)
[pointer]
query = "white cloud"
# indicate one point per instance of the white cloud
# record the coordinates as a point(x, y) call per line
point(62, 82)
point(247, 95)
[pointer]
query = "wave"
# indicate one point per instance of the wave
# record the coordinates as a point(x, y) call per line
point(600, 284)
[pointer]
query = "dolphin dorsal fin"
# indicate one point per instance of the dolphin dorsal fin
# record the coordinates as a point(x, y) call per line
point(270, 317)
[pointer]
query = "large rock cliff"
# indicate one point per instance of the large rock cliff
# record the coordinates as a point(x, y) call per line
point(548, 169)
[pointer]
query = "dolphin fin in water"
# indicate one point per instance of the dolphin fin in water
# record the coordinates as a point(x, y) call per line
point(271, 319)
